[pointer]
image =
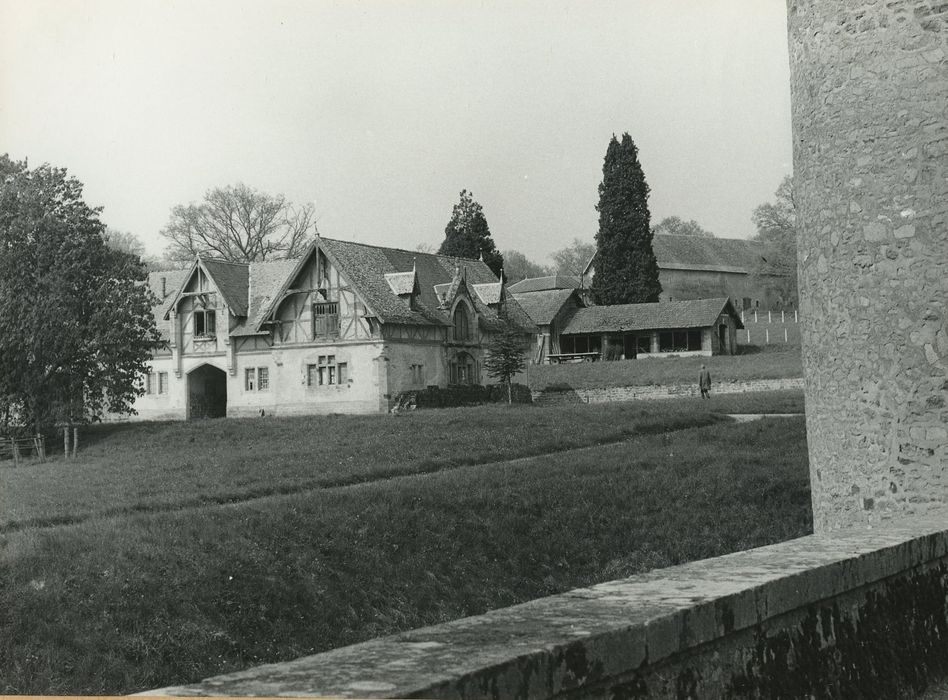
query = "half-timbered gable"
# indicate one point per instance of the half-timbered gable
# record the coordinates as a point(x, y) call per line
point(344, 328)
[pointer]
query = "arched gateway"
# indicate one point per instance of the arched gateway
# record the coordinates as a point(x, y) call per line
point(207, 392)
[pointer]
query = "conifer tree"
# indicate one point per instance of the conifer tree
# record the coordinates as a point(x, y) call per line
point(468, 236)
point(626, 269)
point(505, 355)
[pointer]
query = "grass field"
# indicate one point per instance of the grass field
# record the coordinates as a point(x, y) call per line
point(769, 362)
point(132, 596)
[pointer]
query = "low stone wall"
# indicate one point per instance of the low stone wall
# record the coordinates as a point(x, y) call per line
point(669, 391)
point(860, 614)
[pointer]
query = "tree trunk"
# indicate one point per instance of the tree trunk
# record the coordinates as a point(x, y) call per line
point(509, 394)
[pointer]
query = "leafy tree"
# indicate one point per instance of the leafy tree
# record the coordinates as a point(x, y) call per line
point(518, 266)
point(626, 269)
point(572, 260)
point(505, 356)
point(239, 224)
point(675, 226)
point(468, 236)
point(76, 327)
point(776, 230)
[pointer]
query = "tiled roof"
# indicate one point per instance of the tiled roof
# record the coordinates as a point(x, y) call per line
point(231, 281)
point(537, 284)
point(490, 293)
point(701, 253)
point(401, 282)
point(695, 313)
point(266, 279)
point(173, 281)
point(543, 306)
point(372, 271)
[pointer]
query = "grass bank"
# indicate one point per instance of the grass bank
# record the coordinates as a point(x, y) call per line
point(772, 362)
point(138, 601)
point(148, 467)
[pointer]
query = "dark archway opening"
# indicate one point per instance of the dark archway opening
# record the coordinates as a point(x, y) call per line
point(207, 393)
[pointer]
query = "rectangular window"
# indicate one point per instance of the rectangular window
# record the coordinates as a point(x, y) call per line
point(151, 383)
point(205, 325)
point(257, 379)
point(325, 319)
point(327, 372)
point(162, 382)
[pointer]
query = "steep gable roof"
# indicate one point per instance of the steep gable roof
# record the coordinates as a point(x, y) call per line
point(543, 306)
point(695, 313)
point(231, 281)
point(265, 282)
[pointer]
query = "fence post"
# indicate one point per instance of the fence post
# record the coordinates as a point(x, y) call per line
point(755, 315)
point(40, 443)
point(75, 441)
point(16, 452)
point(782, 319)
point(742, 315)
point(769, 320)
point(785, 335)
point(795, 316)
point(66, 442)
point(767, 336)
point(748, 335)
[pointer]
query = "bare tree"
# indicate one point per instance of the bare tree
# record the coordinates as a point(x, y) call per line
point(676, 226)
point(776, 230)
point(240, 224)
point(129, 243)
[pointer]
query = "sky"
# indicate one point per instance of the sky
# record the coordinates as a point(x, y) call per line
point(379, 112)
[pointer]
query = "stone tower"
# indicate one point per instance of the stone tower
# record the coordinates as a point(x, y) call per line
point(869, 90)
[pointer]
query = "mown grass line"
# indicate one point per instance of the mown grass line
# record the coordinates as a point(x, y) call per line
point(163, 464)
point(776, 362)
point(143, 601)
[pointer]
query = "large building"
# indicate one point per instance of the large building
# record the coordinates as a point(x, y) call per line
point(342, 329)
point(697, 267)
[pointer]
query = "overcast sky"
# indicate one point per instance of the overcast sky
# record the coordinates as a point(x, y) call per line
point(380, 112)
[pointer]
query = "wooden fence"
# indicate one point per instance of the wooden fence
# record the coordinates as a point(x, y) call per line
point(18, 448)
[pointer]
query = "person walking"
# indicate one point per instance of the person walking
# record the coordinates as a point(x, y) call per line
point(704, 383)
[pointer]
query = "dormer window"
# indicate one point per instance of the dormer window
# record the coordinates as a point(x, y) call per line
point(205, 323)
point(462, 323)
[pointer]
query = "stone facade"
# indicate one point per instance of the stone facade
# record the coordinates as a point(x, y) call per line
point(870, 127)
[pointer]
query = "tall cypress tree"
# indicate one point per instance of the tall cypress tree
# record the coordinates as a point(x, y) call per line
point(468, 236)
point(626, 269)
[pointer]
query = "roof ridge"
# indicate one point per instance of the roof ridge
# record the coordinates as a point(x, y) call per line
point(228, 262)
point(401, 250)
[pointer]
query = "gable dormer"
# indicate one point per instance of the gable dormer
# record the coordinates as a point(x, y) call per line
point(405, 286)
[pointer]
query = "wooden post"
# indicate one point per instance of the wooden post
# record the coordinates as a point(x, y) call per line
point(795, 316)
point(748, 335)
point(16, 452)
point(769, 320)
point(755, 315)
point(785, 335)
point(75, 441)
point(767, 336)
point(66, 442)
point(782, 320)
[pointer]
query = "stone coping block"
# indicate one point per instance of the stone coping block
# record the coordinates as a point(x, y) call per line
point(561, 644)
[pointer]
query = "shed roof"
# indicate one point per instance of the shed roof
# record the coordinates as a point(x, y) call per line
point(694, 313)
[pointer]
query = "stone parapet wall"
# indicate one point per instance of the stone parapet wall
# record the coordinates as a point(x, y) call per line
point(869, 86)
point(858, 614)
point(669, 391)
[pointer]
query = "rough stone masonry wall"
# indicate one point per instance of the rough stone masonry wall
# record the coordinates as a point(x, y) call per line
point(870, 127)
point(858, 614)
